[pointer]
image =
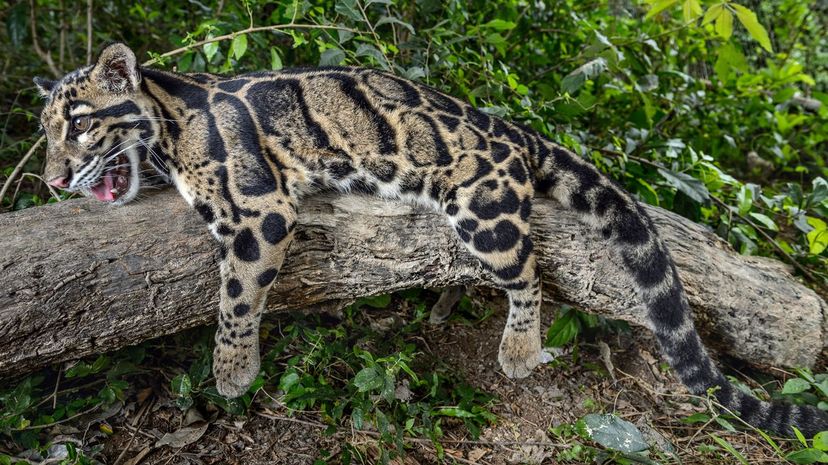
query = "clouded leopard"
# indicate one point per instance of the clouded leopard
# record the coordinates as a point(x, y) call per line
point(244, 150)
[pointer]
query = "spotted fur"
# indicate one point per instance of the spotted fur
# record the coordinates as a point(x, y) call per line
point(245, 150)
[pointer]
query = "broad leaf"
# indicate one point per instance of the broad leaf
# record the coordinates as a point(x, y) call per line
point(368, 379)
point(349, 8)
point(660, 6)
point(331, 57)
point(691, 9)
point(210, 49)
point(687, 184)
point(239, 46)
point(818, 237)
point(614, 433)
point(712, 13)
point(795, 386)
point(756, 30)
point(576, 79)
point(724, 24)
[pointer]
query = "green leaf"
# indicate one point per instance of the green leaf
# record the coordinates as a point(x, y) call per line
point(393, 20)
point(181, 385)
point(817, 237)
point(729, 57)
point(724, 24)
point(728, 447)
point(697, 418)
point(687, 184)
point(712, 13)
point(288, 380)
point(349, 8)
point(821, 441)
point(807, 456)
point(368, 50)
point(614, 433)
point(745, 199)
point(500, 25)
point(800, 436)
point(331, 57)
point(576, 79)
point(756, 30)
point(357, 417)
point(820, 191)
point(659, 6)
point(368, 379)
point(563, 330)
point(210, 49)
point(691, 9)
point(795, 386)
point(239, 46)
point(765, 221)
point(454, 412)
point(377, 301)
point(275, 60)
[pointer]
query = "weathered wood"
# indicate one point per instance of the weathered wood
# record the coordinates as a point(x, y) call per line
point(81, 277)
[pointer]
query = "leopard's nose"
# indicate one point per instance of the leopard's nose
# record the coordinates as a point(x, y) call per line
point(59, 182)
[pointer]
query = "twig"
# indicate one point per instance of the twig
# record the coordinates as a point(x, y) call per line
point(89, 32)
point(63, 28)
point(55, 392)
point(249, 30)
point(373, 32)
point(19, 167)
point(46, 56)
point(141, 418)
point(47, 425)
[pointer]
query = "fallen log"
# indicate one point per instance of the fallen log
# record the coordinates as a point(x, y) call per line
point(80, 277)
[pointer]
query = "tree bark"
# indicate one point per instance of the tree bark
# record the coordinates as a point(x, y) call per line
point(80, 277)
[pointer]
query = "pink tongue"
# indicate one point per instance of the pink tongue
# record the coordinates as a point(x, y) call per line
point(103, 191)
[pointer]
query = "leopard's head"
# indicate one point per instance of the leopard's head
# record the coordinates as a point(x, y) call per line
point(99, 127)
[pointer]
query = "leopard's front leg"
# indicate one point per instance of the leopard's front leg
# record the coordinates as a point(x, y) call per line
point(254, 250)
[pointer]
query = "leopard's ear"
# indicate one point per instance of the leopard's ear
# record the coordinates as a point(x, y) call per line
point(117, 70)
point(44, 86)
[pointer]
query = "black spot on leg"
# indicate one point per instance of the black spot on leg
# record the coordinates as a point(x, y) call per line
point(241, 310)
point(245, 246)
point(234, 288)
point(267, 277)
point(274, 228)
point(205, 211)
point(502, 237)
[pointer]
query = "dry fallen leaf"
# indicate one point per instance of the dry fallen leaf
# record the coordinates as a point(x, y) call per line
point(183, 437)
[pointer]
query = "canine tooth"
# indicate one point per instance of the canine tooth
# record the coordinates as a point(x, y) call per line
point(113, 191)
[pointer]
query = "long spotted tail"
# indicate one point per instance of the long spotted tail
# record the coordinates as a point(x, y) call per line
point(580, 186)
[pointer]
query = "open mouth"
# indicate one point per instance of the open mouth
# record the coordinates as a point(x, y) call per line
point(114, 182)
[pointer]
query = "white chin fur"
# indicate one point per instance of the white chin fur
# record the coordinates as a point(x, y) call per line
point(134, 178)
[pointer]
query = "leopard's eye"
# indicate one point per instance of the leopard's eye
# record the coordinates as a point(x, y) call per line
point(80, 123)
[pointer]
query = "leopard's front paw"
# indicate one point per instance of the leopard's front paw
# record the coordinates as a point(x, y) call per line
point(519, 353)
point(235, 369)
